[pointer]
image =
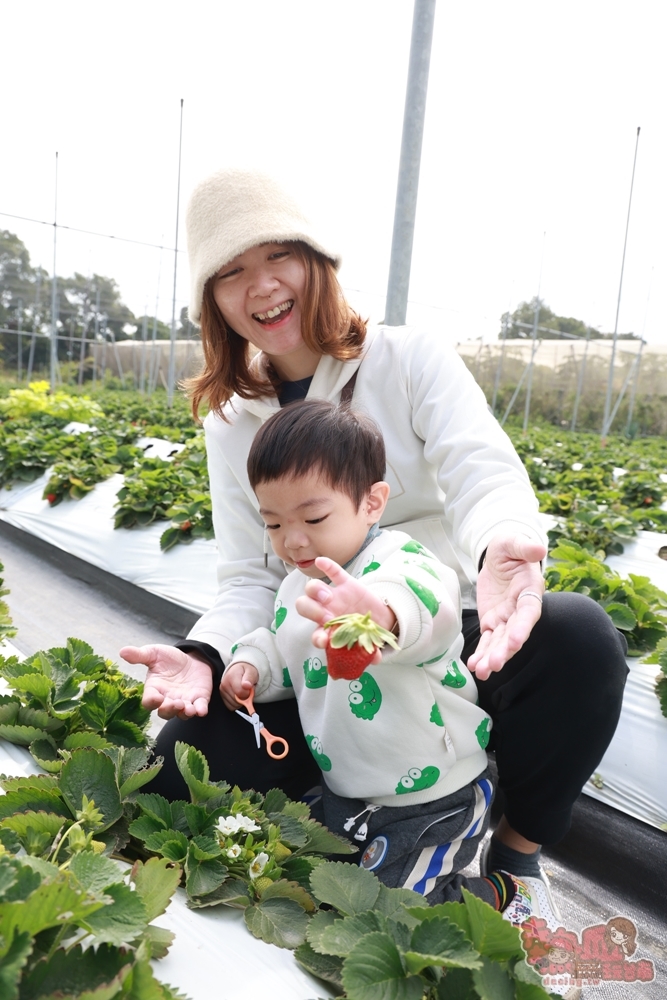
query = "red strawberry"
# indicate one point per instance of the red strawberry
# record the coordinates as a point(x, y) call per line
point(51, 497)
point(352, 645)
point(186, 525)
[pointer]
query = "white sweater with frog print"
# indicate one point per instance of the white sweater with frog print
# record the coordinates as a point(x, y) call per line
point(409, 729)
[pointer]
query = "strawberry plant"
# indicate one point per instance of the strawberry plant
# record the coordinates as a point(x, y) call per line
point(191, 517)
point(7, 629)
point(38, 399)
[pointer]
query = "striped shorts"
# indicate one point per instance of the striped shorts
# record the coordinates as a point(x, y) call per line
point(420, 847)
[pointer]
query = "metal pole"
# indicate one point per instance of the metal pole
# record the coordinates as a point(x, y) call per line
point(408, 172)
point(633, 388)
point(20, 327)
point(54, 332)
point(606, 422)
point(172, 346)
point(580, 381)
point(144, 332)
point(536, 319)
point(96, 332)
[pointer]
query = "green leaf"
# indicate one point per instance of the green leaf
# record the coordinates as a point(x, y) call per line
point(299, 869)
point(93, 974)
point(350, 889)
point(170, 843)
point(21, 735)
point(122, 921)
point(155, 882)
point(320, 923)
point(27, 823)
point(92, 773)
point(289, 890)
point(274, 801)
point(33, 799)
point(202, 877)
point(195, 771)
point(36, 685)
point(46, 755)
point(138, 780)
point(392, 903)
point(52, 904)
point(457, 984)
point(99, 704)
point(9, 709)
point(156, 806)
point(198, 818)
point(439, 942)
point(292, 831)
point(325, 967)
point(12, 963)
point(232, 892)
point(342, 935)
point(277, 921)
point(490, 934)
point(530, 991)
point(94, 872)
point(145, 826)
point(38, 781)
point(125, 734)
point(160, 940)
point(492, 982)
point(374, 971)
point(323, 841)
point(621, 615)
point(76, 741)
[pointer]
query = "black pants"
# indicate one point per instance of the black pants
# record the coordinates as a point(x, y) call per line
point(555, 706)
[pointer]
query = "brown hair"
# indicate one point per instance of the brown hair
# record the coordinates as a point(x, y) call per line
point(627, 929)
point(345, 446)
point(329, 326)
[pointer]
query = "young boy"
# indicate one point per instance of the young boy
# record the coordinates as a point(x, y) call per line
point(401, 749)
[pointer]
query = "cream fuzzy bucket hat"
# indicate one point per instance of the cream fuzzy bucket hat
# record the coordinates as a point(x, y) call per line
point(232, 211)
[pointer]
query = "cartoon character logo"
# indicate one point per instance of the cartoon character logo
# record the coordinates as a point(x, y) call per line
point(315, 672)
point(374, 854)
point(365, 697)
point(315, 747)
point(280, 616)
point(287, 680)
point(436, 716)
point(371, 567)
point(416, 548)
point(417, 779)
point(453, 678)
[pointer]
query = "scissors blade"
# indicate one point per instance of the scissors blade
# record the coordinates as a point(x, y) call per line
point(248, 718)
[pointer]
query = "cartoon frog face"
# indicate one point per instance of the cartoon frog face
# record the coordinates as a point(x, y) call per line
point(416, 779)
point(453, 678)
point(315, 747)
point(365, 697)
point(315, 672)
point(281, 615)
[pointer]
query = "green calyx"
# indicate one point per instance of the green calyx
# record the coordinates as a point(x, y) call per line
point(352, 630)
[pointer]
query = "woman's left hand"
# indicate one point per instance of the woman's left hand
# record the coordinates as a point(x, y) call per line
point(346, 596)
point(512, 567)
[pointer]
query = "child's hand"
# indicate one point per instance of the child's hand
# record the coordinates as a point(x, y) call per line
point(239, 681)
point(347, 596)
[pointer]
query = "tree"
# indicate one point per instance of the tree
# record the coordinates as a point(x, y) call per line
point(520, 324)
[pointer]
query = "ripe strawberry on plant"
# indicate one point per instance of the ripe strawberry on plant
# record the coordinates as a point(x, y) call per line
point(352, 644)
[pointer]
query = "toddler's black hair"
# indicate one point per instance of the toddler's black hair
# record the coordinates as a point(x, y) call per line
point(345, 446)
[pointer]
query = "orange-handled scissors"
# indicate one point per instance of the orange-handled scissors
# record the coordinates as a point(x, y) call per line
point(259, 727)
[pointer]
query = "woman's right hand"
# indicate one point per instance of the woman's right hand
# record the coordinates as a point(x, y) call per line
point(177, 683)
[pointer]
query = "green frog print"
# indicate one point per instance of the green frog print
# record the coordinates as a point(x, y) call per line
point(417, 779)
point(365, 697)
point(453, 678)
point(315, 747)
point(315, 672)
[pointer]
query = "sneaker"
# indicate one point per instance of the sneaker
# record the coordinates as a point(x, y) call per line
point(532, 896)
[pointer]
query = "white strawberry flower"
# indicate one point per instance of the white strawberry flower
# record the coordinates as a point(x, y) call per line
point(228, 825)
point(233, 852)
point(258, 865)
point(246, 824)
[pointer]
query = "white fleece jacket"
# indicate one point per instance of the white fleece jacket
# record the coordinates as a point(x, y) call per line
point(456, 480)
point(409, 729)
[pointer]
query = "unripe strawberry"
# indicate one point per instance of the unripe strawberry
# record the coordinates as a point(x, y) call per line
point(352, 645)
point(280, 852)
point(262, 883)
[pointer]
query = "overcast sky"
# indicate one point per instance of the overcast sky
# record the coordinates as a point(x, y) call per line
point(531, 121)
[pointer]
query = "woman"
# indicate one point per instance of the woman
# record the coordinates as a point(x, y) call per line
point(550, 674)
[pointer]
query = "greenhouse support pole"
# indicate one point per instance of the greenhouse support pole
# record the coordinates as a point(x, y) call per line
point(97, 330)
point(144, 334)
point(606, 422)
point(19, 324)
point(172, 346)
point(633, 388)
point(580, 381)
point(408, 171)
point(536, 320)
point(54, 319)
